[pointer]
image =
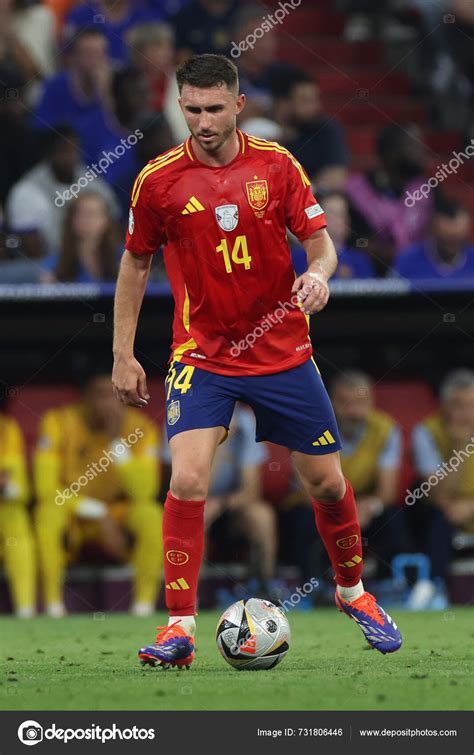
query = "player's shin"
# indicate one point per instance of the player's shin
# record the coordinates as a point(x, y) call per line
point(183, 543)
point(339, 529)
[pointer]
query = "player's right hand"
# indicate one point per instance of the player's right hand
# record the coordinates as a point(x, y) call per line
point(129, 382)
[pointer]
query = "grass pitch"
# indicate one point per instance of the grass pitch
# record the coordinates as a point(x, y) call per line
point(86, 663)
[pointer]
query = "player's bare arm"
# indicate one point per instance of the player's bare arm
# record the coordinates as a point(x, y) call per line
point(312, 287)
point(128, 376)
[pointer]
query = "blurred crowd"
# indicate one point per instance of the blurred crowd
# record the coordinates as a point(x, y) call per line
point(88, 96)
point(98, 466)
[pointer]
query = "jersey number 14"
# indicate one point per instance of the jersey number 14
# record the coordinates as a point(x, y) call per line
point(239, 254)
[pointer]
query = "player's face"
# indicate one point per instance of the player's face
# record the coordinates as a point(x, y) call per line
point(351, 405)
point(211, 114)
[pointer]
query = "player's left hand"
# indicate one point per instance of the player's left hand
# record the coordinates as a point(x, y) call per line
point(312, 290)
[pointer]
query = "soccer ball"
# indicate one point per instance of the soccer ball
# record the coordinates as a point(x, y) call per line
point(253, 634)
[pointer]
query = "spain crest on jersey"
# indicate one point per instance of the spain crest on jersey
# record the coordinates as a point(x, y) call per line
point(174, 412)
point(257, 194)
point(227, 216)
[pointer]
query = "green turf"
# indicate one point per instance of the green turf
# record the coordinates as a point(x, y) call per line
point(83, 662)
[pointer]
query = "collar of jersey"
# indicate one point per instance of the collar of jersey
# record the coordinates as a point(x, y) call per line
point(191, 156)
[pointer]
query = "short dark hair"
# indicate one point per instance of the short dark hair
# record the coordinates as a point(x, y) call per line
point(204, 71)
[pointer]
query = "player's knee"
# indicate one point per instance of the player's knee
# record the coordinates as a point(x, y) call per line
point(188, 485)
point(329, 489)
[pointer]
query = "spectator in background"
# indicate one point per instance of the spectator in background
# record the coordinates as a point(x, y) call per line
point(443, 455)
point(379, 195)
point(447, 254)
point(235, 505)
point(157, 138)
point(80, 95)
point(257, 63)
point(18, 141)
point(371, 459)
point(96, 478)
point(203, 26)
point(152, 52)
point(36, 205)
point(90, 246)
point(352, 263)
point(114, 17)
point(34, 25)
point(13, 53)
point(17, 548)
point(316, 140)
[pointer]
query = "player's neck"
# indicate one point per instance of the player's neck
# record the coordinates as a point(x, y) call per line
point(224, 155)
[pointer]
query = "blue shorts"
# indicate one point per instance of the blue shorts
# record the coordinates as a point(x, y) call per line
point(292, 408)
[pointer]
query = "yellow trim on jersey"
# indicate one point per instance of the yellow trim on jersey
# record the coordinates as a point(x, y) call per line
point(263, 145)
point(191, 343)
point(155, 161)
point(186, 309)
point(186, 144)
point(151, 169)
point(242, 139)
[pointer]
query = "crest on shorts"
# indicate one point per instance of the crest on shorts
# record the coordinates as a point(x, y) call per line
point(174, 412)
point(257, 194)
point(227, 216)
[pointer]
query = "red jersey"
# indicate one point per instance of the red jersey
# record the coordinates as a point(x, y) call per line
point(226, 253)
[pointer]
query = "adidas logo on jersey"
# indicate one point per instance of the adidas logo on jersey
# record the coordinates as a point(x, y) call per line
point(194, 205)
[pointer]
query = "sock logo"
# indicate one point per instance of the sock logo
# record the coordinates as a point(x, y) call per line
point(179, 584)
point(347, 542)
point(354, 562)
point(178, 558)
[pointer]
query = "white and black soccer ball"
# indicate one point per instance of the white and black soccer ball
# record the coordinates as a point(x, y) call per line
point(253, 634)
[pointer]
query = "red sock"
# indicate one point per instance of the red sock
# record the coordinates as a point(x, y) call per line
point(339, 528)
point(183, 545)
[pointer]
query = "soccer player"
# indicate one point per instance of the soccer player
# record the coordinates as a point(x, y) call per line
point(220, 204)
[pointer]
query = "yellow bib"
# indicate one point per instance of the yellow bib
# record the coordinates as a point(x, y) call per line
point(361, 466)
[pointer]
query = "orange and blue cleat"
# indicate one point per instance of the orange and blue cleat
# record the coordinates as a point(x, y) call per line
point(173, 647)
point(379, 629)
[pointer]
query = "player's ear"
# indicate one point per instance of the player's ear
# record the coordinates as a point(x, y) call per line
point(240, 103)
